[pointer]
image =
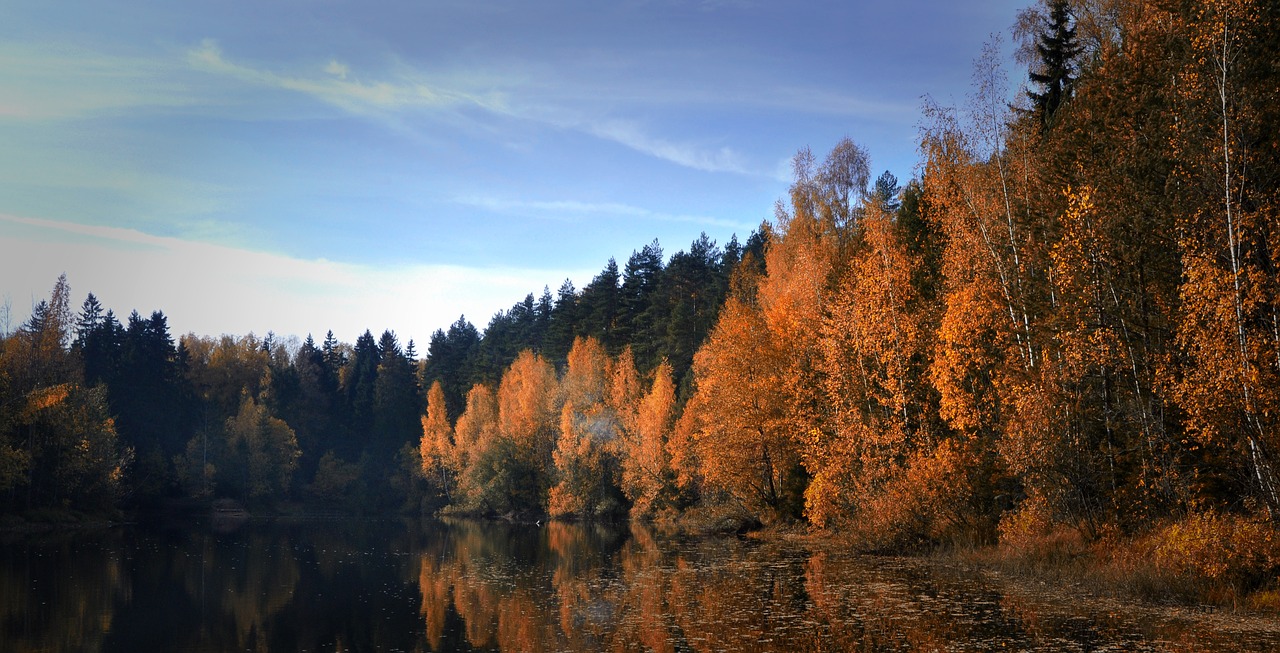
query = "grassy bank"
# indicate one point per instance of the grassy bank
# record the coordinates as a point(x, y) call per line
point(1226, 561)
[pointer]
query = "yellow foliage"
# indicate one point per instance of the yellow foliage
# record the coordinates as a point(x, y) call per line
point(436, 446)
point(43, 399)
point(1229, 548)
point(646, 466)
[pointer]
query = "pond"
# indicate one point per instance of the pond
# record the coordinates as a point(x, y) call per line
point(335, 585)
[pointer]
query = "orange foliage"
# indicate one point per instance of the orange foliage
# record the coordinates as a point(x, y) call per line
point(586, 449)
point(647, 478)
point(743, 440)
point(1230, 292)
point(873, 348)
point(475, 434)
point(624, 389)
point(529, 408)
point(436, 446)
point(43, 399)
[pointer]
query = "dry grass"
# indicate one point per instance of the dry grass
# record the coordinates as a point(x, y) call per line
point(1227, 561)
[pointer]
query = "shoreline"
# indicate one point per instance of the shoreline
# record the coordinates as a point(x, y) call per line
point(1112, 569)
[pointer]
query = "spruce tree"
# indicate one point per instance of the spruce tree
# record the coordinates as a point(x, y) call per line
point(1058, 49)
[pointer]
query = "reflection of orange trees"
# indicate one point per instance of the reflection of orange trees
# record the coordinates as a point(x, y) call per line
point(436, 590)
point(643, 606)
point(470, 564)
point(562, 588)
point(864, 607)
point(525, 624)
point(724, 596)
point(467, 572)
point(504, 604)
point(585, 614)
point(70, 610)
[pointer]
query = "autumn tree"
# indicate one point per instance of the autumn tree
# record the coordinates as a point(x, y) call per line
point(979, 183)
point(72, 456)
point(476, 445)
point(624, 390)
point(742, 438)
point(528, 408)
point(647, 476)
point(504, 442)
point(436, 446)
point(874, 355)
point(58, 443)
point(1230, 294)
point(260, 453)
point(587, 451)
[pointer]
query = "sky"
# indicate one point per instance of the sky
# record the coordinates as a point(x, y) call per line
point(304, 166)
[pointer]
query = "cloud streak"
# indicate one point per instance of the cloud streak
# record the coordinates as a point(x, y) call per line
point(577, 210)
point(409, 90)
point(41, 82)
point(45, 81)
point(629, 134)
point(338, 88)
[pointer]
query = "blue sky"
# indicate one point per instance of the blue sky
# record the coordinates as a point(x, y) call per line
point(303, 166)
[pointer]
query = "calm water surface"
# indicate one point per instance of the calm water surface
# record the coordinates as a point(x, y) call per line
point(390, 586)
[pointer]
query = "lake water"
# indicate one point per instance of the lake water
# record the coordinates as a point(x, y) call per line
point(391, 586)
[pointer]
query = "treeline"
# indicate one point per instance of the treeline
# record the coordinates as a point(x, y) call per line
point(96, 413)
point(1070, 320)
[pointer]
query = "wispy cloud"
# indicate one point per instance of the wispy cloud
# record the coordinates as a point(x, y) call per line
point(43, 82)
point(408, 89)
point(49, 81)
point(576, 210)
point(627, 133)
point(338, 87)
point(220, 289)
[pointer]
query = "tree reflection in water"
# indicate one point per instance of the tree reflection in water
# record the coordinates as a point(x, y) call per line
point(461, 586)
point(582, 588)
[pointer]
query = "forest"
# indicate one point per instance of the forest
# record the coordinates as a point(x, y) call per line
point(1066, 325)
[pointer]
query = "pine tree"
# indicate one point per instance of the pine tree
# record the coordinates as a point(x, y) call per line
point(396, 400)
point(564, 323)
point(334, 357)
point(1058, 50)
point(601, 306)
point(451, 361)
point(886, 193)
point(358, 381)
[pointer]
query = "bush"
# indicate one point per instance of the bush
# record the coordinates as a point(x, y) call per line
point(1230, 551)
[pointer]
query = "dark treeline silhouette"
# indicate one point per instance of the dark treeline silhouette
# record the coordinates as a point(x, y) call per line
point(97, 413)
